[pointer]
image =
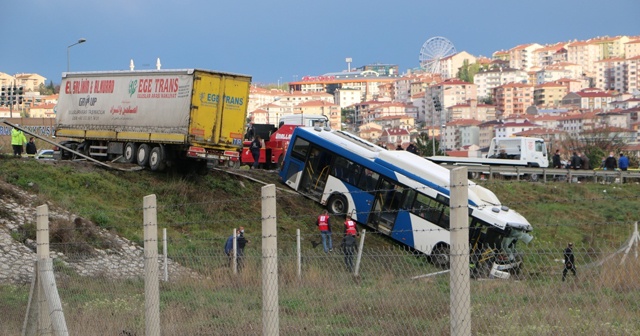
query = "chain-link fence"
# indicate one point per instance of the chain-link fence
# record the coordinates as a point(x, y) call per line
point(377, 287)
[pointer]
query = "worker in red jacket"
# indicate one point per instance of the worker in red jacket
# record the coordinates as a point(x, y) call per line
point(324, 225)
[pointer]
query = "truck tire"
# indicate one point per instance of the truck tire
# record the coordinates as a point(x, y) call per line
point(157, 159)
point(130, 151)
point(142, 155)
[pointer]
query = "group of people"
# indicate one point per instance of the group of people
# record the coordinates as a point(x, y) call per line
point(241, 242)
point(411, 148)
point(580, 160)
point(348, 244)
point(18, 140)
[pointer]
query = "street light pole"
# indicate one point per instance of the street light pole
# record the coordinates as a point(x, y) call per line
point(82, 40)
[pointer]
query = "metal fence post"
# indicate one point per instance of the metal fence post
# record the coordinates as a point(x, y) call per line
point(270, 317)
point(460, 303)
point(151, 281)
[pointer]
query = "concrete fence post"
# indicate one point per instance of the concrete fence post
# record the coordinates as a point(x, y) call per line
point(356, 271)
point(151, 281)
point(460, 303)
point(270, 307)
point(299, 252)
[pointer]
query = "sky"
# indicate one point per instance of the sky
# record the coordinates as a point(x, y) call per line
point(284, 40)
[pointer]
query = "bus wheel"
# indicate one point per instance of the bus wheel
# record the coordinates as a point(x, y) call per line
point(142, 156)
point(130, 150)
point(440, 255)
point(337, 205)
point(474, 175)
point(533, 177)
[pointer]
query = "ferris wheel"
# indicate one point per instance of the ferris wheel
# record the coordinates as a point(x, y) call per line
point(432, 53)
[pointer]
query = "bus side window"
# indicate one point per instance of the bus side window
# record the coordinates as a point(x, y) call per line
point(300, 149)
point(368, 180)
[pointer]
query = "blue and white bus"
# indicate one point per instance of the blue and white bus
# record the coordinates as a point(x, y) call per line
point(397, 193)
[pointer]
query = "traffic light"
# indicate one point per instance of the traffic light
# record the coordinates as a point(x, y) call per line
point(3, 96)
point(20, 90)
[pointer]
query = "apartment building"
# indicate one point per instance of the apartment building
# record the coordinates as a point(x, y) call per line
point(513, 99)
point(487, 131)
point(448, 93)
point(550, 54)
point(487, 80)
point(395, 137)
point(321, 107)
point(552, 73)
point(523, 56)
point(588, 99)
point(460, 133)
point(549, 95)
point(472, 110)
point(344, 97)
point(632, 48)
point(633, 75)
point(368, 82)
point(451, 64)
point(260, 96)
point(509, 129)
point(611, 74)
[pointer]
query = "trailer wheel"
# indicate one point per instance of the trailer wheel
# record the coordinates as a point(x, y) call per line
point(234, 164)
point(157, 160)
point(130, 151)
point(533, 177)
point(143, 154)
point(337, 205)
point(440, 255)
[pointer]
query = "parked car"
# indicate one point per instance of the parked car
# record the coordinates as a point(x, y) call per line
point(44, 154)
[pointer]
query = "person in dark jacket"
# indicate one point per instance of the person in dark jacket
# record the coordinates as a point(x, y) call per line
point(556, 160)
point(255, 147)
point(610, 162)
point(575, 161)
point(569, 262)
point(31, 147)
point(242, 242)
point(349, 249)
point(412, 148)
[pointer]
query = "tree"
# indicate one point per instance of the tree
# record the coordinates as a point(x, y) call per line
point(425, 145)
point(467, 71)
point(596, 144)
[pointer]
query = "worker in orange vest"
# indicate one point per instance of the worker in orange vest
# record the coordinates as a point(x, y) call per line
point(324, 225)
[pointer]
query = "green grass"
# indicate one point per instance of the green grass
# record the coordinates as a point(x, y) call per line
point(200, 212)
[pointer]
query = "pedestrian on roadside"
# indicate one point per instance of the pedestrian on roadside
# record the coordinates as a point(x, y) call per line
point(31, 148)
point(17, 141)
point(412, 148)
point(575, 161)
point(228, 248)
point(569, 262)
point(349, 249)
point(242, 242)
point(623, 162)
point(610, 162)
point(255, 147)
point(586, 165)
point(350, 226)
point(557, 163)
point(324, 225)
point(399, 147)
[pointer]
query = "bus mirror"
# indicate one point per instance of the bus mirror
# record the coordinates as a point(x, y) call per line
point(522, 236)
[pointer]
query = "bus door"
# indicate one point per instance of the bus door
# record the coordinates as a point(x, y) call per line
point(316, 171)
point(387, 206)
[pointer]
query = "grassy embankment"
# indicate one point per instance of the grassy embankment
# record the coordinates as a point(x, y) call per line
point(199, 212)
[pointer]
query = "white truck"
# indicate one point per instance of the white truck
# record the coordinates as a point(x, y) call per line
point(515, 151)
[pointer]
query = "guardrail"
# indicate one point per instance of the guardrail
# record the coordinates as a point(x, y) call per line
point(549, 174)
